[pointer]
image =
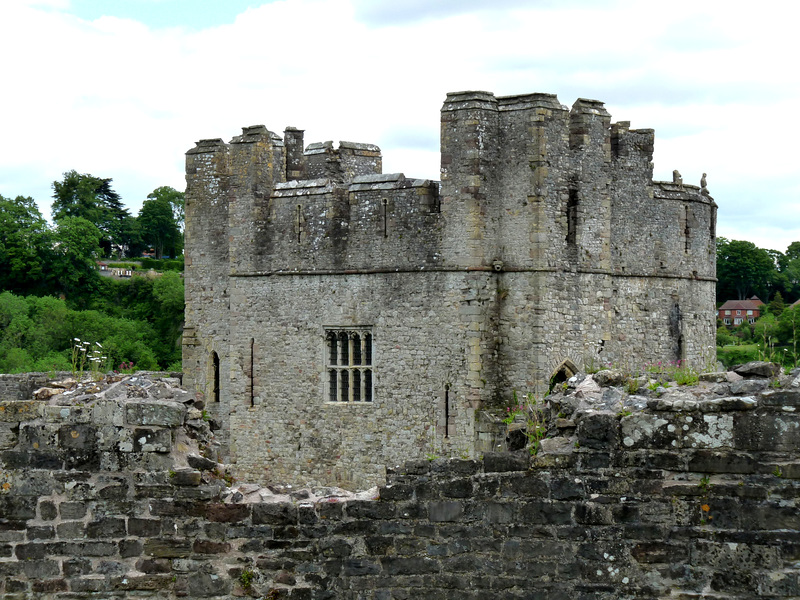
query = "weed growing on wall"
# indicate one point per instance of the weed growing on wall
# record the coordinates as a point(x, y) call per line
point(532, 413)
point(84, 354)
point(98, 362)
point(679, 371)
point(79, 358)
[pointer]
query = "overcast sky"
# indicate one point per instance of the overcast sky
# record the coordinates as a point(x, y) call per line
point(123, 88)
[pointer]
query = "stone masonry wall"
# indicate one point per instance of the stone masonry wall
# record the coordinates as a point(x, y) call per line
point(692, 493)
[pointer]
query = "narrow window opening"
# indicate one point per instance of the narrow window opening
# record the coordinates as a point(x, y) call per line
point(712, 226)
point(572, 217)
point(215, 360)
point(299, 221)
point(385, 202)
point(447, 411)
point(686, 231)
point(368, 349)
point(252, 372)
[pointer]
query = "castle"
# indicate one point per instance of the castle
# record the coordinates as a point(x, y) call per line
point(339, 320)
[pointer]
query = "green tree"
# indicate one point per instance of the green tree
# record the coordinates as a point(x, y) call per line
point(76, 243)
point(176, 202)
point(743, 269)
point(93, 199)
point(24, 244)
point(168, 292)
point(777, 305)
point(157, 225)
point(789, 330)
point(765, 334)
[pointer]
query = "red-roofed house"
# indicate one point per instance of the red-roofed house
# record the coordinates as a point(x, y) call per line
point(734, 312)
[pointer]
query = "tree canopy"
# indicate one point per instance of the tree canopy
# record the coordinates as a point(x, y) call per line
point(92, 198)
point(176, 202)
point(157, 226)
point(24, 244)
point(743, 270)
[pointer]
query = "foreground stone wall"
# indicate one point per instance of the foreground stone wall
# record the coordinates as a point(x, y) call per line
point(687, 493)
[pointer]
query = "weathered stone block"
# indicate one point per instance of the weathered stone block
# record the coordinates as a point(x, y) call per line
point(154, 565)
point(210, 547)
point(159, 414)
point(82, 548)
point(72, 510)
point(8, 435)
point(167, 548)
point(445, 511)
point(152, 440)
point(71, 530)
point(758, 369)
point(41, 533)
point(145, 583)
point(17, 508)
point(276, 514)
point(16, 411)
point(598, 431)
point(709, 461)
point(106, 528)
point(409, 566)
point(186, 478)
point(201, 463)
point(203, 585)
point(144, 527)
point(30, 551)
point(498, 462)
point(96, 583)
point(47, 510)
point(547, 513)
point(367, 509)
point(130, 548)
point(49, 586)
point(227, 513)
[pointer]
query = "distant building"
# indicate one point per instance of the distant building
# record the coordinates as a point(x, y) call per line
point(736, 312)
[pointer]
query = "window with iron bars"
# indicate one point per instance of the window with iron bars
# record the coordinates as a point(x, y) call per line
point(349, 364)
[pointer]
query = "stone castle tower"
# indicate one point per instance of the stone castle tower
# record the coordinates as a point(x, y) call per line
point(339, 319)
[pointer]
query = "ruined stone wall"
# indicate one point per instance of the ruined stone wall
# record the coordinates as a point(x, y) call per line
point(690, 496)
point(20, 386)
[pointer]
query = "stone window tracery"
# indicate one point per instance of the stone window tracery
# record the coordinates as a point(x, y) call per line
point(349, 364)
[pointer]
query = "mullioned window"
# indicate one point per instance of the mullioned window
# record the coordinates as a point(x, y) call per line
point(349, 364)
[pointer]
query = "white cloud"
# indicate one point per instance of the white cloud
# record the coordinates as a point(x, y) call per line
point(115, 98)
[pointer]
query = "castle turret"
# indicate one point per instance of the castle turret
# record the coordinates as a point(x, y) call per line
point(588, 202)
point(257, 165)
point(469, 139)
point(206, 331)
